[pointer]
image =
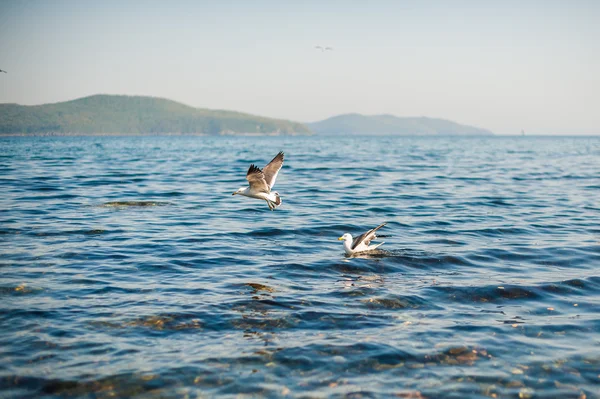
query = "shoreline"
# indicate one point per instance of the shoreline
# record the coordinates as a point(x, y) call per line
point(275, 134)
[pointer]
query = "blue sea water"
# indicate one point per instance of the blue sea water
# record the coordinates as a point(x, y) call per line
point(127, 269)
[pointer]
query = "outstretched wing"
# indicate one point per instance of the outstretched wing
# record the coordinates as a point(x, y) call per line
point(272, 169)
point(256, 178)
point(366, 237)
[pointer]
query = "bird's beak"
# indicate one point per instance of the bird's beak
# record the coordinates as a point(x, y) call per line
point(233, 194)
point(340, 239)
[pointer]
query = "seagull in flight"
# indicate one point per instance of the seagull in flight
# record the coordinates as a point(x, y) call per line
point(262, 182)
point(361, 243)
point(3, 71)
point(324, 48)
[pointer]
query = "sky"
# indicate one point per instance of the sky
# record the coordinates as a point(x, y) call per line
point(502, 65)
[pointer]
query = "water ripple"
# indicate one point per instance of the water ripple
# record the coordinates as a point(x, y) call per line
point(129, 270)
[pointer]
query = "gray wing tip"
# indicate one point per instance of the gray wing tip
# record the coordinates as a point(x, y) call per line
point(253, 169)
point(278, 158)
point(380, 226)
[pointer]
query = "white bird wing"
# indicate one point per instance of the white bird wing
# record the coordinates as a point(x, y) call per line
point(256, 178)
point(366, 237)
point(272, 169)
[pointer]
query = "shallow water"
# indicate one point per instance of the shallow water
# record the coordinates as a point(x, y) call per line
point(127, 269)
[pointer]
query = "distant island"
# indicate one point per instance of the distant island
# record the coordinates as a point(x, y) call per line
point(393, 125)
point(139, 115)
point(118, 114)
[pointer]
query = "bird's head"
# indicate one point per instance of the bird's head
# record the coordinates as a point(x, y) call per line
point(345, 237)
point(239, 190)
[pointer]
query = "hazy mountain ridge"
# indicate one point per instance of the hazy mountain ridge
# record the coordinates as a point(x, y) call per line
point(390, 124)
point(102, 113)
point(121, 114)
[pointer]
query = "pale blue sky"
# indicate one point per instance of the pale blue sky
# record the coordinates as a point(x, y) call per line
point(503, 65)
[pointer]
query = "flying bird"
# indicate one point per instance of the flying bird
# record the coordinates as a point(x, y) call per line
point(262, 182)
point(360, 243)
point(3, 71)
point(324, 48)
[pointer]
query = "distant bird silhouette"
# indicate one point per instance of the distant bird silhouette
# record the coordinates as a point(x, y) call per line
point(3, 71)
point(324, 48)
point(328, 48)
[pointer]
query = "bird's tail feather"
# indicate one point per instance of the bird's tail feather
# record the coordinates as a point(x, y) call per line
point(274, 204)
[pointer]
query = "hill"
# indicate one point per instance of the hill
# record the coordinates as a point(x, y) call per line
point(134, 115)
point(390, 124)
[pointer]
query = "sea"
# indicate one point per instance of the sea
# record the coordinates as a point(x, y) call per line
point(128, 270)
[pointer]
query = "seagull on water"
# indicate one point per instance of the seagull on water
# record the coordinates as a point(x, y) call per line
point(262, 181)
point(360, 243)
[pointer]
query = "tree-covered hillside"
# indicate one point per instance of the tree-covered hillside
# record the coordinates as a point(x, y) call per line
point(390, 124)
point(134, 115)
